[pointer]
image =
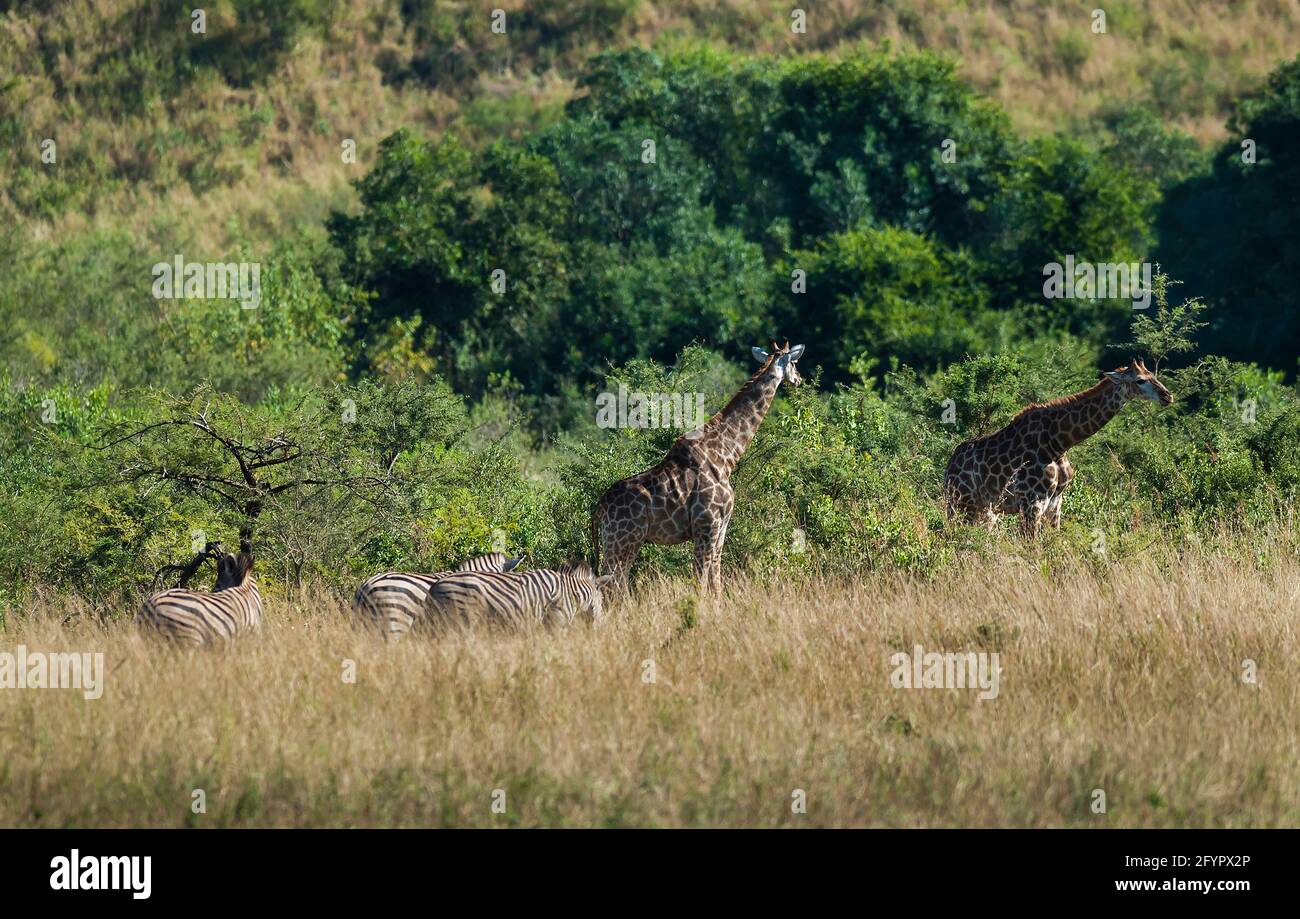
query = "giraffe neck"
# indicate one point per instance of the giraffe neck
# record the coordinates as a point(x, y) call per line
point(729, 432)
point(1074, 418)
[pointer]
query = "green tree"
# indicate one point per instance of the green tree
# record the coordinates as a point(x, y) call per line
point(1233, 234)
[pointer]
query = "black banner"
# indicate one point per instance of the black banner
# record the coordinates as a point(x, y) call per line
point(129, 868)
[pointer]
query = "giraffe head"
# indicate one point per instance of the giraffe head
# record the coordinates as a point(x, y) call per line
point(1140, 383)
point(782, 361)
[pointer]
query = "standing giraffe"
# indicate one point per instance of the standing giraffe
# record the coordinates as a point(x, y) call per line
point(1022, 469)
point(688, 496)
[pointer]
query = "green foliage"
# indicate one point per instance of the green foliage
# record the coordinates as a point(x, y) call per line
point(1231, 234)
point(1143, 145)
point(343, 479)
point(1061, 199)
point(1171, 329)
point(531, 270)
point(888, 291)
point(83, 309)
point(673, 200)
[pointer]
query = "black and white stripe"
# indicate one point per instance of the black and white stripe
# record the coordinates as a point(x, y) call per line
point(394, 600)
point(546, 596)
point(194, 617)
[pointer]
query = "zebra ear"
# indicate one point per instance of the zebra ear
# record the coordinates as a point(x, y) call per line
point(511, 563)
point(759, 354)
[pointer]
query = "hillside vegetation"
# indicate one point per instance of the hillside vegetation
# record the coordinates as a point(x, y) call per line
point(244, 122)
point(653, 184)
point(462, 238)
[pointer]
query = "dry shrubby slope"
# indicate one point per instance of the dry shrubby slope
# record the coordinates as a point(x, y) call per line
point(119, 84)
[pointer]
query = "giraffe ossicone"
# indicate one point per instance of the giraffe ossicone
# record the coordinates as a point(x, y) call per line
point(688, 495)
point(1023, 468)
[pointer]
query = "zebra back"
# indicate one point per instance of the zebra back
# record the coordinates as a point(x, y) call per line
point(553, 597)
point(193, 617)
point(394, 600)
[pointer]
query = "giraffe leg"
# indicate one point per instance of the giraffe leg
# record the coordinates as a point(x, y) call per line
point(1064, 475)
point(617, 559)
point(1033, 487)
point(963, 501)
point(1028, 523)
point(953, 505)
point(620, 537)
point(728, 503)
point(716, 557)
point(708, 565)
point(1054, 512)
point(1032, 510)
point(708, 556)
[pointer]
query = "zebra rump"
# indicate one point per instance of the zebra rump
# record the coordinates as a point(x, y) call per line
point(550, 597)
point(394, 600)
point(234, 607)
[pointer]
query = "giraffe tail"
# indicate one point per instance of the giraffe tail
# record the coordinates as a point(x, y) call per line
point(950, 496)
point(595, 538)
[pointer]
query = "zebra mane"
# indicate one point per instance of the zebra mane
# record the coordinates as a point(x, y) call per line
point(233, 570)
point(576, 566)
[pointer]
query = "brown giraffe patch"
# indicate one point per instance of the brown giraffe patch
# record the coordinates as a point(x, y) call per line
point(688, 495)
point(1023, 468)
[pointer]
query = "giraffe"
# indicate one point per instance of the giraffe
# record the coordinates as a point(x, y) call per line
point(1023, 468)
point(688, 496)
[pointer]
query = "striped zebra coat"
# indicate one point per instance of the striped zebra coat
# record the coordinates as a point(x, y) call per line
point(394, 601)
point(549, 597)
point(234, 607)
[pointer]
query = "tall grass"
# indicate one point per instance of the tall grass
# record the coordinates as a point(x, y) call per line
point(1125, 677)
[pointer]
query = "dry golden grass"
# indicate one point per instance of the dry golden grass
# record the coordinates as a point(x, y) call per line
point(1040, 59)
point(1129, 680)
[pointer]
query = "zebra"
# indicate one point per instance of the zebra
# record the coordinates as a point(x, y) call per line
point(194, 617)
point(545, 596)
point(392, 600)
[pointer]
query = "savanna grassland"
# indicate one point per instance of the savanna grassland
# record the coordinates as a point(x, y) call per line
point(1125, 677)
point(466, 237)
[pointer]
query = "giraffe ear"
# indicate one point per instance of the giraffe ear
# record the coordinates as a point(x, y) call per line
point(795, 353)
point(1114, 376)
point(511, 563)
point(604, 579)
point(759, 354)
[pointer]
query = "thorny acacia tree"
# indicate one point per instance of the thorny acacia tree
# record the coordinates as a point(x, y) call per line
point(283, 470)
